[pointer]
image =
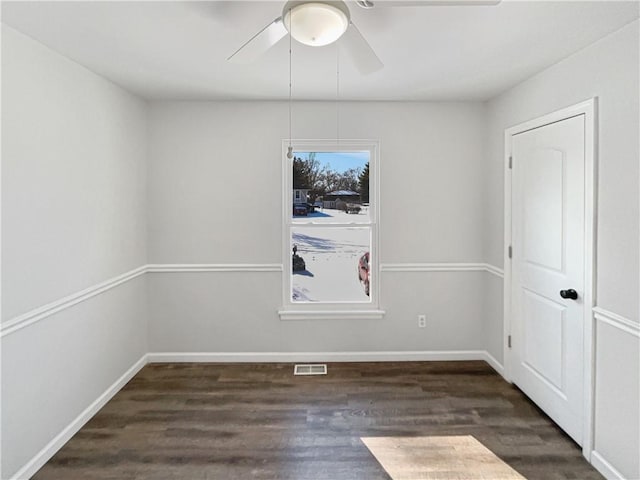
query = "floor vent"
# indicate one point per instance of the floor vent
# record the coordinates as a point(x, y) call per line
point(309, 369)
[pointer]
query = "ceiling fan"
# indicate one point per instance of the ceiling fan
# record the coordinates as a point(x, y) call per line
point(321, 22)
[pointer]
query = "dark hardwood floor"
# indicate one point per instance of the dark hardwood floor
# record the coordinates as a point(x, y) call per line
point(245, 421)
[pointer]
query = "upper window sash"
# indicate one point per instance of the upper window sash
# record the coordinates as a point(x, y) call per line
point(371, 146)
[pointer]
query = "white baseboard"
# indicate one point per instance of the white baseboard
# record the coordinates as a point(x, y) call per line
point(286, 357)
point(495, 364)
point(604, 467)
point(70, 430)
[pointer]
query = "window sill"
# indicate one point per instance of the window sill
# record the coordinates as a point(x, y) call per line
point(331, 314)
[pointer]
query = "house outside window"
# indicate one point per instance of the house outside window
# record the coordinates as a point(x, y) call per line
point(331, 234)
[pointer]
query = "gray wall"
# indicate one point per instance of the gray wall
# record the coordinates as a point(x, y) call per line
point(73, 215)
point(608, 70)
point(203, 154)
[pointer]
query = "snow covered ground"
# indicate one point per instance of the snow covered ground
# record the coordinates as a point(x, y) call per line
point(331, 256)
point(327, 215)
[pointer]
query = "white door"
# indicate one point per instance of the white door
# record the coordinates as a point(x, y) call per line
point(548, 224)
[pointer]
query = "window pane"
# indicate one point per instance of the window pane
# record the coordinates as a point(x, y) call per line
point(330, 264)
point(331, 187)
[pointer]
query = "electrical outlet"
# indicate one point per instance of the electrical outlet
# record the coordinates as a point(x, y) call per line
point(422, 321)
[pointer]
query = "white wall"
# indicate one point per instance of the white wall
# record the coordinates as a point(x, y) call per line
point(73, 215)
point(202, 154)
point(608, 70)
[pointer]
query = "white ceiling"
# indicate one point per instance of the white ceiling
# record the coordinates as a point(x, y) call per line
point(178, 50)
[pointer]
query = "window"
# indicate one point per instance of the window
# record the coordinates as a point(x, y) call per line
point(330, 240)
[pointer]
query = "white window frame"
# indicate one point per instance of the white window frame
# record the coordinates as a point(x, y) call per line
point(331, 310)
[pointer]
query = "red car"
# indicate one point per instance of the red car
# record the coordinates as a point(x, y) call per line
point(363, 272)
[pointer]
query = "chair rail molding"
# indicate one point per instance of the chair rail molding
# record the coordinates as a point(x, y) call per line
point(617, 321)
point(442, 267)
point(213, 267)
point(40, 313)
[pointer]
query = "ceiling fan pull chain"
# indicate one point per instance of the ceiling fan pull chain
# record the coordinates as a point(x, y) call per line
point(290, 149)
point(338, 93)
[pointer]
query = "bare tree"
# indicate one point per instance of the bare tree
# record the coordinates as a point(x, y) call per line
point(314, 171)
point(320, 179)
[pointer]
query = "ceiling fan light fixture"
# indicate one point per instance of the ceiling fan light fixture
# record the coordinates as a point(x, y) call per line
point(316, 23)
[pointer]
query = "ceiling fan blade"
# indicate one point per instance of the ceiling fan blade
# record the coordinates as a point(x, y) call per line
point(260, 42)
point(363, 56)
point(424, 3)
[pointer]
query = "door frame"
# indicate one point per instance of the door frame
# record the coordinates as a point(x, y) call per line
point(588, 108)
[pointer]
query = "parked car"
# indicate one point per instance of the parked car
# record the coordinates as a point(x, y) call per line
point(363, 272)
point(300, 209)
point(352, 208)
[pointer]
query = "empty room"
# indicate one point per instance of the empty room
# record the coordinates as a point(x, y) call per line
point(304, 240)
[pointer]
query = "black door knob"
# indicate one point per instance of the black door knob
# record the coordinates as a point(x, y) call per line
point(571, 293)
